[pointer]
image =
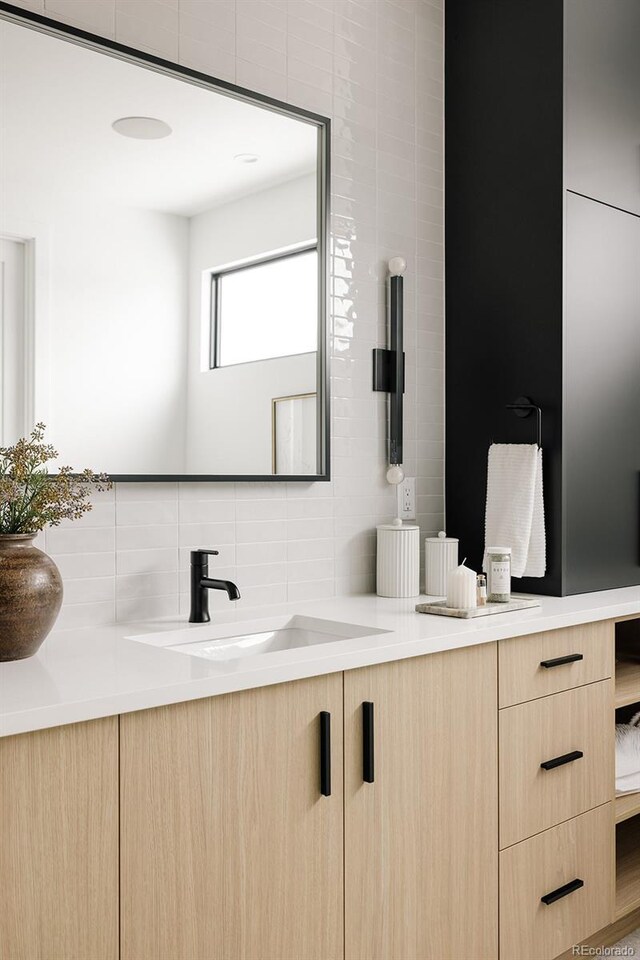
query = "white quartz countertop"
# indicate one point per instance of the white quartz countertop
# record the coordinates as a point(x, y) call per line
point(86, 673)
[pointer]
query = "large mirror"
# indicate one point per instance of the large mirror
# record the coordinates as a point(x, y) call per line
point(163, 265)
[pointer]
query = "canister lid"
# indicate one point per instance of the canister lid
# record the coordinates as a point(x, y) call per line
point(441, 538)
point(398, 527)
point(498, 550)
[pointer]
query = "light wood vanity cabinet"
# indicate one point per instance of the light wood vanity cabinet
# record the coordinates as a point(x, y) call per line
point(421, 839)
point(59, 843)
point(536, 666)
point(556, 748)
point(229, 850)
point(556, 759)
point(556, 888)
point(247, 834)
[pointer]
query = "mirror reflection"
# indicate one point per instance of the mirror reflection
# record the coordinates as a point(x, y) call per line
point(162, 248)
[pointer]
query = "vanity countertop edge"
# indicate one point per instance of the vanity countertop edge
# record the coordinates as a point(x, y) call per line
point(85, 673)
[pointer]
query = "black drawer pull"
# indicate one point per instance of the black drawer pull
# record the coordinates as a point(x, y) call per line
point(325, 753)
point(367, 741)
point(562, 891)
point(560, 761)
point(560, 661)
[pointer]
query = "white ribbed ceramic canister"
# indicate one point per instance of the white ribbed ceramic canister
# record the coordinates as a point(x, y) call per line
point(440, 556)
point(398, 567)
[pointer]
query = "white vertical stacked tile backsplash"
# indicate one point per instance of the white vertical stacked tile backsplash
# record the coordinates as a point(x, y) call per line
point(375, 67)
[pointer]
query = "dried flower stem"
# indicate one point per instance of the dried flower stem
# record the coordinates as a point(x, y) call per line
point(30, 497)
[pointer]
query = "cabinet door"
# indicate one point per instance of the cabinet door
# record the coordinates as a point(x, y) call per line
point(229, 849)
point(602, 397)
point(59, 843)
point(602, 101)
point(421, 840)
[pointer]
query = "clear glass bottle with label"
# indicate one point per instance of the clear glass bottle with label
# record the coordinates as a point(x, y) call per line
point(481, 586)
point(499, 574)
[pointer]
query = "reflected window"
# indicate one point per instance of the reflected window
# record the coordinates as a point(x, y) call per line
point(265, 309)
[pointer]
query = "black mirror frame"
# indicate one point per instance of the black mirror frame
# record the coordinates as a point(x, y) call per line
point(74, 35)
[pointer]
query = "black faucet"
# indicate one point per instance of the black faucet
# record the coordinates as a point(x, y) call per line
point(201, 582)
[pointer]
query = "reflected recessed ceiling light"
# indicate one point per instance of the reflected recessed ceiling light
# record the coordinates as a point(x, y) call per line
point(142, 128)
point(246, 157)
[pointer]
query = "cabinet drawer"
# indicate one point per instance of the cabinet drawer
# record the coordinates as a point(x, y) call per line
point(552, 731)
point(579, 850)
point(535, 666)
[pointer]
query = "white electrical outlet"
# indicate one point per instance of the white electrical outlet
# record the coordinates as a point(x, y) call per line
point(407, 499)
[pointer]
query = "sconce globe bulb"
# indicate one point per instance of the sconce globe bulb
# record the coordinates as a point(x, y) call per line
point(395, 474)
point(397, 266)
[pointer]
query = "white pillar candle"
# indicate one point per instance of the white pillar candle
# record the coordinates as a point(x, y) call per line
point(461, 588)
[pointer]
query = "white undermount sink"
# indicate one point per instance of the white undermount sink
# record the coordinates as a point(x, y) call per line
point(235, 641)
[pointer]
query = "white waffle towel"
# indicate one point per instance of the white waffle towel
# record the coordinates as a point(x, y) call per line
point(515, 506)
point(628, 756)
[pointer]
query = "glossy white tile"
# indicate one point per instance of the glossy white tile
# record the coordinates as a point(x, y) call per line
point(376, 68)
point(255, 77)
point(146, 536)
point(194, 535)
point(155, 560)
point(160, 584)
point(97, 16)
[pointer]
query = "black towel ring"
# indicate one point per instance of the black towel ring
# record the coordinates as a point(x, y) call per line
point(524, 407)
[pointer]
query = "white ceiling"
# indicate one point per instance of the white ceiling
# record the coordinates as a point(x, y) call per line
point(58, 101)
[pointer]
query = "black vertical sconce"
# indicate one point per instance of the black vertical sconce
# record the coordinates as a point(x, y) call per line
point(388, 367)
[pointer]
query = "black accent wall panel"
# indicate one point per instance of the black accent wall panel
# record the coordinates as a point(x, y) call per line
point(529, 314)
point(504, 262)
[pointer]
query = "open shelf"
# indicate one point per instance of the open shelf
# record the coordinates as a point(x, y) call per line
point(627, 806)
point(627, 867)
point(627, 682)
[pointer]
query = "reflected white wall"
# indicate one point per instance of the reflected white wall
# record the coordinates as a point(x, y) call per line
point(117, 339)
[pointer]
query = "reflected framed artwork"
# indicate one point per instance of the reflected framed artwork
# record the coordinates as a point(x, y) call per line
point(294, 452)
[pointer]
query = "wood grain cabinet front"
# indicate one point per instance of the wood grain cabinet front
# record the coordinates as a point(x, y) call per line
point(556, 759)
point(421, 808)
point(536, 666)
point(229, 849)
point(558, 887)
point(59, 843)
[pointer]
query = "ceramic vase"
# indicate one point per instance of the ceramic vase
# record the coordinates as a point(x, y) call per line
point(30, 596)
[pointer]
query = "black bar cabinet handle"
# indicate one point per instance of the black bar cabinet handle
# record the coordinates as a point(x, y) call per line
point(562, 891)
point(325, 753)
point(560, 761)
point(560, 661)
point(367, 741)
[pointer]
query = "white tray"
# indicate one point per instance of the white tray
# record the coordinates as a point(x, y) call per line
point(441, 609)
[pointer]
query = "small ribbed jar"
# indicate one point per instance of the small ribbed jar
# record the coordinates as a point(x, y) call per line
point(398, 564)
point(440, 556)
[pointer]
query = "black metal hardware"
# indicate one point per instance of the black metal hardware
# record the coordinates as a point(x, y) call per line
point(523, 407)
point(388, 368)
point(382, 372)
point(325, 753)
point(367, 742)
point(201, 583)
point(560, 761)
point(562, 891)
point(560, 661)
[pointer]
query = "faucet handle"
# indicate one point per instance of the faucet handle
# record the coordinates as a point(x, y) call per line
point(200, 556)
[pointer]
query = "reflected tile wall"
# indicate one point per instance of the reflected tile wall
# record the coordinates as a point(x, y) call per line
point(376, 68)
